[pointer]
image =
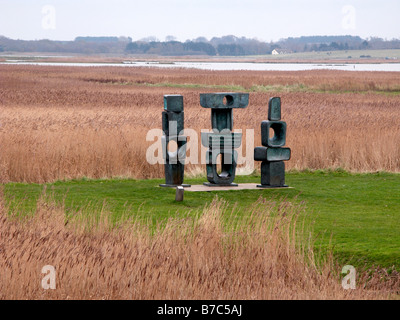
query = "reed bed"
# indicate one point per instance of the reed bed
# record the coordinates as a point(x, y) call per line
point(71, 122)
point(266, 255)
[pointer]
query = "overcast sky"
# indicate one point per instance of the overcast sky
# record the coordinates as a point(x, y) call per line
point(188, 19)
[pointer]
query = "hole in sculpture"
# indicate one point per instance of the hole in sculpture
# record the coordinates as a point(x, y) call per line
point(172, 149)
point(277, 135)
point(221, 167)
point(172, 146)
point(271, 133)
point(219, 164)
point(228, 100)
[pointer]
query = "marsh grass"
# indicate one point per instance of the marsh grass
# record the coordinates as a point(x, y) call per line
point(73, 122)
point(268, 254)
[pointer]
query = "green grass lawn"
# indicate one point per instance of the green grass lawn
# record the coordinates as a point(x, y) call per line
point(360, 211)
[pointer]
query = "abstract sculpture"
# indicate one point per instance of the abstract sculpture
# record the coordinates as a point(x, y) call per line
point(271, 153)
point(222, 141)
point(172, 125)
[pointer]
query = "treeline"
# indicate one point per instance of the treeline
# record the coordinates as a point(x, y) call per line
point(223, 46)
point(335, 43)
point(83, 47)
point(176, 48)
point(234, 46)
point(172, 48)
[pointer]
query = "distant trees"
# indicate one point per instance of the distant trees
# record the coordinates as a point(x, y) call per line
point(333, 46)
point(229, 45)
point(234, 46)
point(200, 39)
point(379, 43)
point(171, 48)
point(230, 50)
point(170, 38)
point(334, 43)
point(364, 45)
point(321, 43)
point(224, 46)
point(149, 39)
point(84, 45)
point(201, 47)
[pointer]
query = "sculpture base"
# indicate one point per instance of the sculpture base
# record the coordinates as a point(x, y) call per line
point(209, 184)
point(265, 186)
point(175, 185)
point(241, 186)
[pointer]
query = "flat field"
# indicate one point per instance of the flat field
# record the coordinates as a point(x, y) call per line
point(70, 122)
point(345, 56)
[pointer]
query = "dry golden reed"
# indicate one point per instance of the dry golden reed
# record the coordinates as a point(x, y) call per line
point(197, 257)
point(71, 122)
